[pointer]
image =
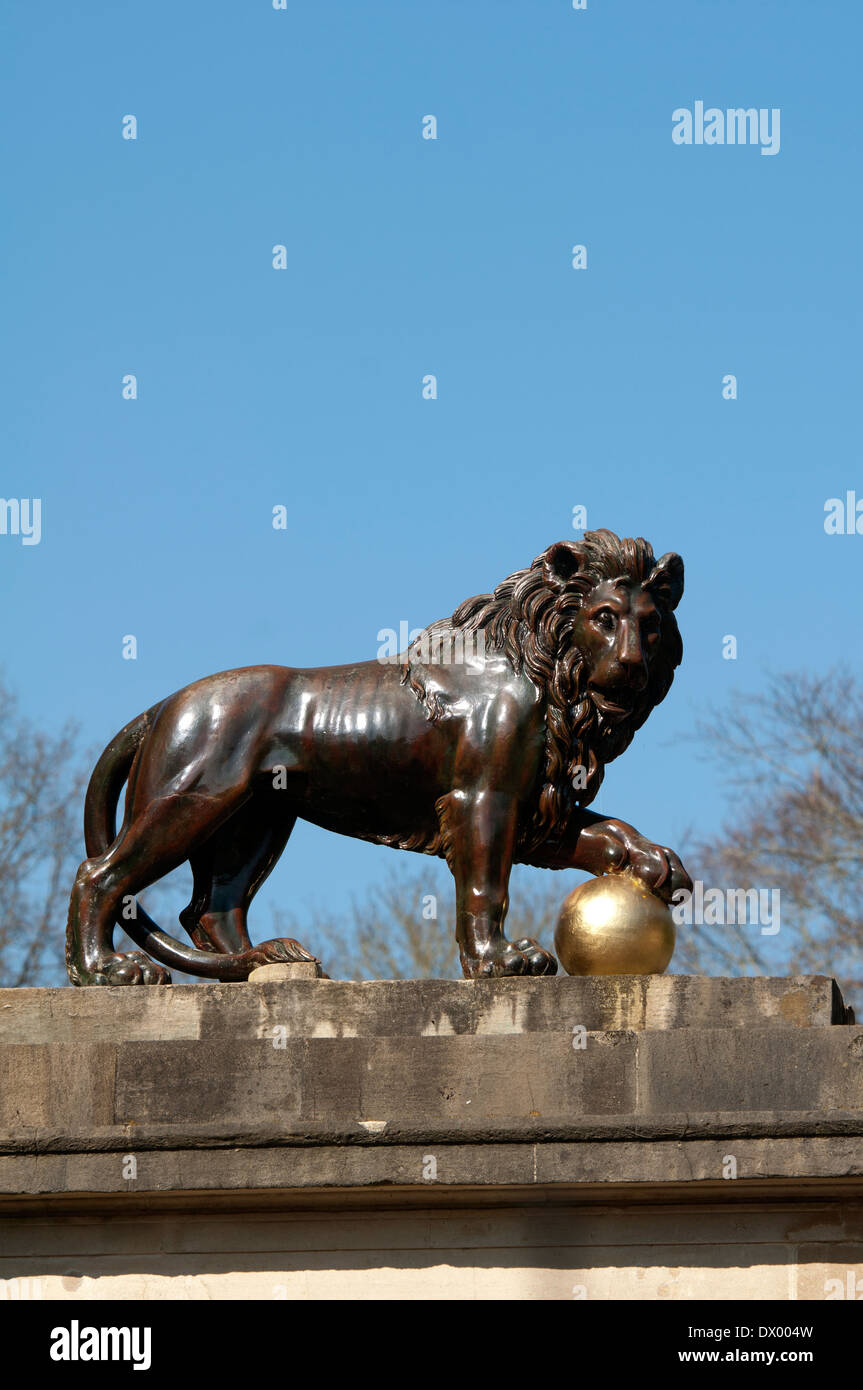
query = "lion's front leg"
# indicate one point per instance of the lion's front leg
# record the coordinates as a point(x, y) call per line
point(479, 829)
point(606, 845)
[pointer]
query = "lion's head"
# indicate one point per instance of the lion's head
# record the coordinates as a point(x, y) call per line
point(591, 623)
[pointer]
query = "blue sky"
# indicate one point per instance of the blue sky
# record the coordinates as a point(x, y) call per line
point(407, 256)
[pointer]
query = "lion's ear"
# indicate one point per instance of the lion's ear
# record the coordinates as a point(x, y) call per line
point(561, 563)
point(666, 580)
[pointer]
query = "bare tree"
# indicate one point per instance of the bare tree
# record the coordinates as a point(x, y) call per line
point(792, 760)
point(41, 842)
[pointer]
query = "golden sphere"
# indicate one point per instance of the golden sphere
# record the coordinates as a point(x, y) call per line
point(614, 926)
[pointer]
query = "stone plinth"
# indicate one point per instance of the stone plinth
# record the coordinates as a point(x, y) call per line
point(629, 1137)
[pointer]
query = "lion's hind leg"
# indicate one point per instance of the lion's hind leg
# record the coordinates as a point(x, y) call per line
point(160, 838)
point(228, 870)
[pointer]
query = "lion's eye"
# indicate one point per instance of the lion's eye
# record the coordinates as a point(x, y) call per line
point(605, 619)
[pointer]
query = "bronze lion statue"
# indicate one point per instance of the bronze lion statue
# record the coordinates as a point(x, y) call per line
point(484, 743)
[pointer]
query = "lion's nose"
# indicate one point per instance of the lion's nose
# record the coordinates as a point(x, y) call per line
point(634, 667)
point(631, 654)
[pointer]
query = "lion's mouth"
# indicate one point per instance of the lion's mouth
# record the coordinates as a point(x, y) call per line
point(611, 709)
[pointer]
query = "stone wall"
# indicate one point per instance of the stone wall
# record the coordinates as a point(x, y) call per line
point(660, 1137)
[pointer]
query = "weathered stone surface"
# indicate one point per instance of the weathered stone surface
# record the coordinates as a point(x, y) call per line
point(752, 1069)
point(323, 1086)
point(57, 1084)
point(404, 1008)
point(669, 1139)
point(296, 970)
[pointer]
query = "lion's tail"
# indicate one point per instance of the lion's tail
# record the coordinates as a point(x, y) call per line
point(100, 831)
point(106, 783)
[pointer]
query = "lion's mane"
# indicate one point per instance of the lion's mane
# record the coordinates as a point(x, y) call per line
point(530, 620)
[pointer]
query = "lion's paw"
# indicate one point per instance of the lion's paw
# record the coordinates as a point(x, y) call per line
point(524, 957)
point(125, 968)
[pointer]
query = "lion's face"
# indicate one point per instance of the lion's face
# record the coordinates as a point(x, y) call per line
point(618, 632)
